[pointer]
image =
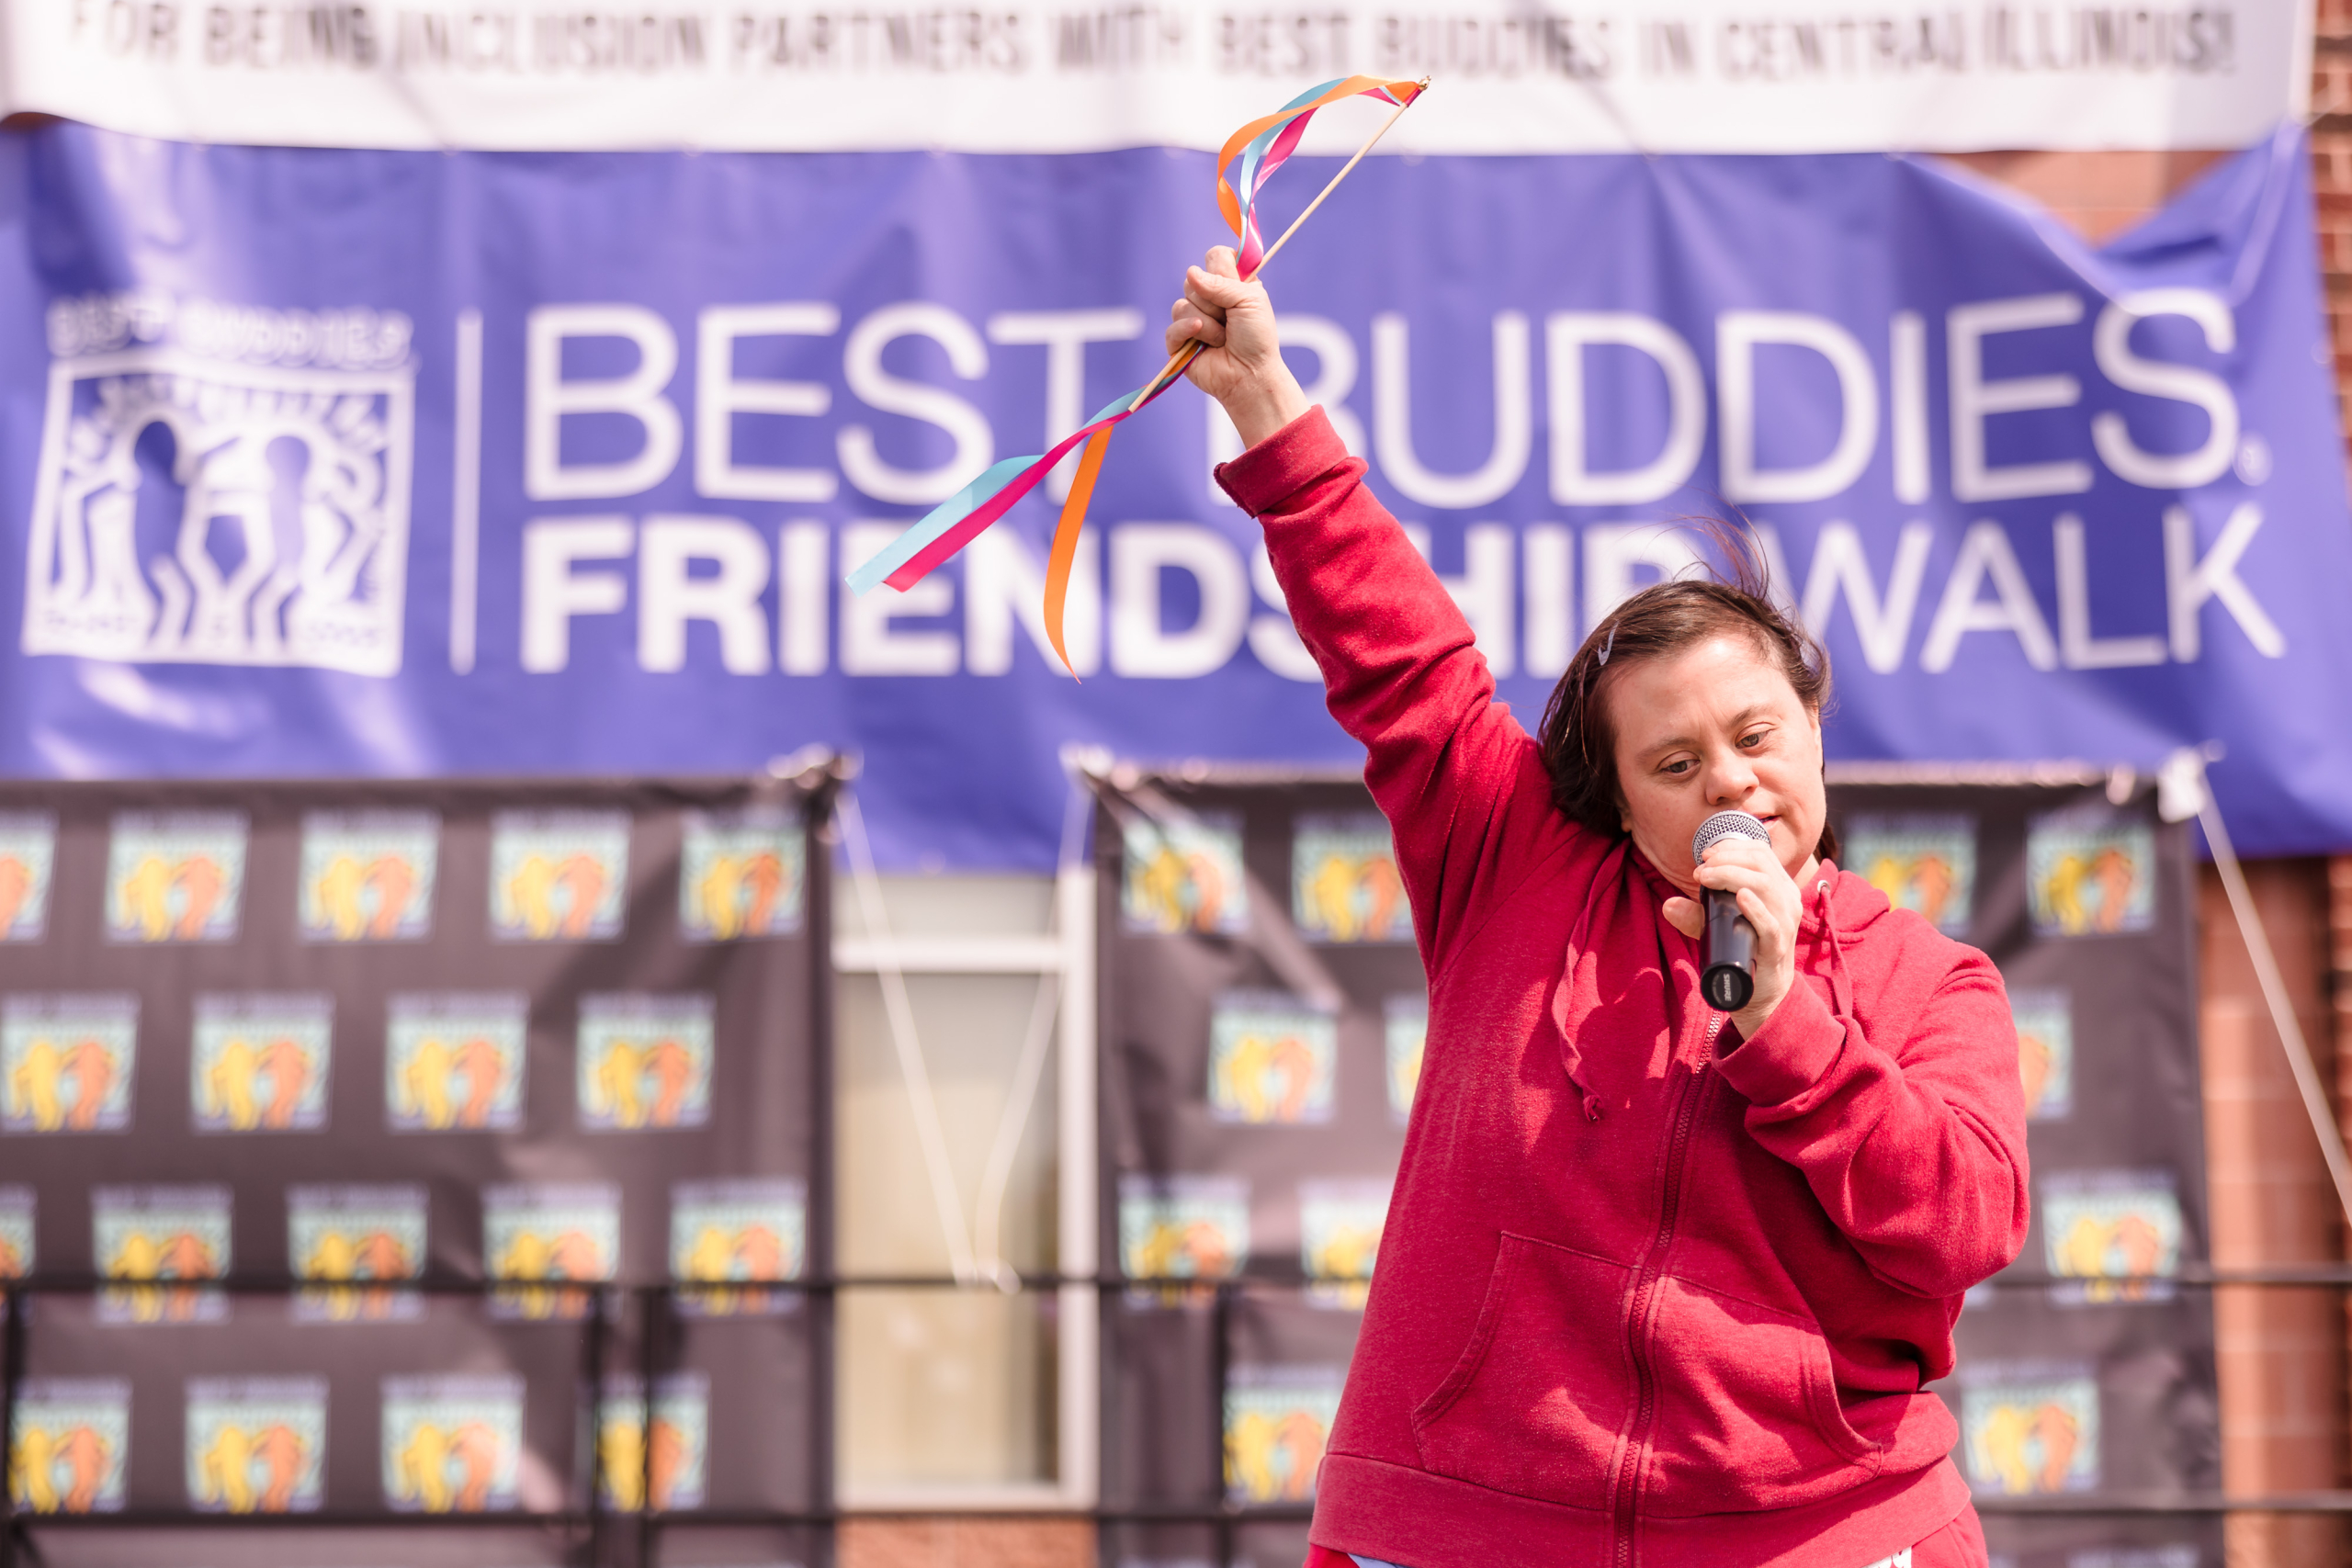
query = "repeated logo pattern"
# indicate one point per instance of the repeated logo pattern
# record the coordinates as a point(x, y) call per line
point(558, 875)
point(452, 1445)
point(1273, 1058)
point(1277, 1422)
point(1184, 873)
point(169, 1237)
point(2119, 1231)
point(644, 1061)
point(455, 1060)
point(256, 1445)
point(1344, 884)
point(2090, 870)
point(2029, 1428)
point(363, 1238)
point(261, 1062)
point(28, 861)
point(736, 1238)
point(176, 875)
point(369, 875)
point(741, 874)
point(1924, 862)
point(550, 1232)
point(660, 1456)
point(65, 1062)
point(72, 1445)
point(1182, 1228)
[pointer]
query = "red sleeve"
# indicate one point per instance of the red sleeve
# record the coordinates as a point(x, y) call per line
point(1460, 780)
point(1917, 1146)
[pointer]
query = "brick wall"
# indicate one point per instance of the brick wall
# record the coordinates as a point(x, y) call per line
point(2332, 172)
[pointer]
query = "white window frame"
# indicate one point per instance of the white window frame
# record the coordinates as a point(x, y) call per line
point(1067, 955)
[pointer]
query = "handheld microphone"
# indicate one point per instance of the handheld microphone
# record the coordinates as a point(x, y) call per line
point(1727, 951)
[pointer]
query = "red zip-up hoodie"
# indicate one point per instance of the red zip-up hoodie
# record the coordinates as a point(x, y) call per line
point(1648, 1297)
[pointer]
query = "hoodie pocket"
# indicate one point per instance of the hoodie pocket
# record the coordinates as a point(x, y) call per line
point(1747, 1409)
point(1539, 1395)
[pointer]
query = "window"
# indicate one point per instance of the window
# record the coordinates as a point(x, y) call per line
point(963, 1090)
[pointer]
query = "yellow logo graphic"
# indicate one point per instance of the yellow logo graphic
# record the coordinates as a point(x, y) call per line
point(346, 888)
point(228, 1463)
point(2091, 892)
point(1405, 1075)
point(174, 1254)
point(170, 900)
point(565, 1255)
point(1345, 1256)
point(1271, 1456)
point(61, 1470)
point(1339, 1222)
point(2127, 1245)
point(531, 887)
point(444, 1470)
point(371, 1256)
point(1354, 898)
point(1267, 1077)
point(617, 1083)
point(1339, 1266)
point(2036, 1058)
point(725, 1257)
point(1181, 892)
point(620, 1449)
point(1924, 882)
point(1172, 1248)
point(2090, 870)
point(423, 1088)
point(740, 892)
point(2028, 1447)
point(42, 1072)
point(230, 1089)
point(18, 882)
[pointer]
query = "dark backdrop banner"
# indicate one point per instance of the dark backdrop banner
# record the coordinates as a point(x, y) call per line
point(1263, 1009)
point(289, 1072)
point(398, 463)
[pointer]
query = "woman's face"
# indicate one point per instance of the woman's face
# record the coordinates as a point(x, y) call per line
point(1715, 728)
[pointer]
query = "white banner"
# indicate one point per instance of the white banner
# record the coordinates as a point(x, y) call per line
point(1666, 75)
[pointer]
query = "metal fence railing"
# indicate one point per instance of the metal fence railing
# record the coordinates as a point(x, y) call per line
point(593, 1534)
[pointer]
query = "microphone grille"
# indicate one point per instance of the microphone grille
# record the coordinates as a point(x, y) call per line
point(1726, 825)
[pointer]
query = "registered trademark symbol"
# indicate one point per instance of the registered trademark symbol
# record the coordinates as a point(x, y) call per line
point(2254, 459)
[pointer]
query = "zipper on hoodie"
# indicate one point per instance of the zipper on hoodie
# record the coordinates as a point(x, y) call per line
point(1686, 1112)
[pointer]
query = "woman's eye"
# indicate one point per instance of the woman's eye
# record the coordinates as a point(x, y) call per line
point(1752, 741)
point(1681, 767)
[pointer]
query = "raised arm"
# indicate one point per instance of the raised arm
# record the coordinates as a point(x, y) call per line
point(1460, 780)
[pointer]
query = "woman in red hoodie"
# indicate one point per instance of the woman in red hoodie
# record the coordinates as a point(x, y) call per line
point(1659, 1286)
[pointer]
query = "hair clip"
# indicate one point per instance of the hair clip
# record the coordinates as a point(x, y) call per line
point(1608, 643)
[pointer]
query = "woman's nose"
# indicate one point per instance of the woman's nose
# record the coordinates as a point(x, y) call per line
point(1729, 783)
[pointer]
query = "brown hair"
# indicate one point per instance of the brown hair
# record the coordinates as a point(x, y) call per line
point(1580, 748)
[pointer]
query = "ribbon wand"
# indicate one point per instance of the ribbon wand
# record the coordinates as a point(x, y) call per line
point(1185, 357)
point(1089, 466)
point(1259, 148)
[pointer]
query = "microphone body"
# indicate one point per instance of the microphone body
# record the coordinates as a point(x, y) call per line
point(1728, 948)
